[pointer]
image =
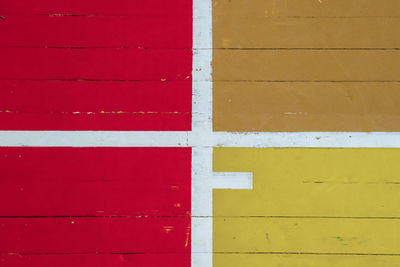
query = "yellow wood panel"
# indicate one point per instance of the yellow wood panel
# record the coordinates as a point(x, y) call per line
point(323, 207)
point(311, 182)
point(259, 106)
point(305, 65)
point(307, 235)
point(257, 260)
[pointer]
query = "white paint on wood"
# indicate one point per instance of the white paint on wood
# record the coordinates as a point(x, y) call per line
point(197, 139)
point(232, 180)
point(202, 140)
point(93, 139)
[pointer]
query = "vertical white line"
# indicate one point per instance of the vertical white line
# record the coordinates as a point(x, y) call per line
point(201, 222)
point(202, 86)
point(201, 135)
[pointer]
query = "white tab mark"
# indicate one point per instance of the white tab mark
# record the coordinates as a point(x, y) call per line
point(232, 180)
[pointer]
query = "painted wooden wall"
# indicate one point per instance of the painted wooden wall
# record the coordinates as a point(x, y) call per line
point(84, 66)
point(160, 133)
point(95, 65)
point(306, 65)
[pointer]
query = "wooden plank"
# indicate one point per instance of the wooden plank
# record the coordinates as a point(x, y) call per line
point(93, 96)
point(300, 65)
point(311, 182)
point(305, 8)
point(260, 260)
point(71, 40)
point(320, 33)
point(87, 122)
point(102, 105)
point(305, 41)
point(93, 7)
point(319, 107)
point(95, 64)
point(169, 31)
point(95, 181)
point(96, 260)
point(95, 235)
point(257, 235)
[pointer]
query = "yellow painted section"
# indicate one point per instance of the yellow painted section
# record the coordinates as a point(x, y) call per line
point(257, 260)
point(310, 203)
point(311, 182)
point(307, 235)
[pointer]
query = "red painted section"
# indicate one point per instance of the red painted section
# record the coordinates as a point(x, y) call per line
point(168, 31)
point(96, 7)
point(95, 181)
point(96, 41)
point(95, 206)
point(96, 64)
point(84, 105)
point(91, 235)
point(96, 260)
point(121, 122)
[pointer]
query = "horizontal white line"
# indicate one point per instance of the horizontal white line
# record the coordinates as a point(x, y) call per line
point(307, 139)
point(93, 138)
point(198, 139)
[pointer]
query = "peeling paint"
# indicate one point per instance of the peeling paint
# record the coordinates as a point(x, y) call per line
point(97, 112)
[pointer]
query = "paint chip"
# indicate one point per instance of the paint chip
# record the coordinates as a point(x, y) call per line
point(168, 229)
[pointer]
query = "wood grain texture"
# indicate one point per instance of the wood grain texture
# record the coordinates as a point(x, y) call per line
point(95, 64)
point(100, 105)
point(152, 31)
point(95, 206)
point(305, 8)
point(319, 33)
point(353, 45)
point(96, 260)
point(306, 235)
point(91, 235)
point(334, 182)
point(309, 65)
point(260, 260)
point(96, 42)
point(94, 7)
point(306, 106)
point(95, 181)
point(308, 207)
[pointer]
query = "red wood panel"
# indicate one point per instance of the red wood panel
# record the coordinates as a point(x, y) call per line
point(84, 105)
point(169, 31)
point(86, 122)
point(96, 260)
point(95, 181)
point(95, 235)
point(162, 65)
point(96, 41)
point(93, 7)
point(96, 64)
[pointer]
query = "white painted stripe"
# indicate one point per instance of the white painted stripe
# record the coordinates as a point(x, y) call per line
point(198, 138)
point(232, 180)
point(201, 228)
point(201, 136)
point(93, 139)
point(306, 139)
